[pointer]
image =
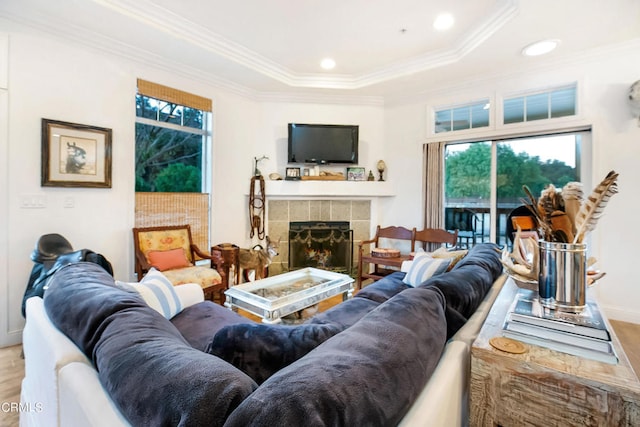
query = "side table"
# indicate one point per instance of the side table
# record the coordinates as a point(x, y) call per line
point(231, 256)
point(543, 387)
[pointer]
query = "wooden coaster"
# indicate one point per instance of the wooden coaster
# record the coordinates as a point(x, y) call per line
point(508, 345)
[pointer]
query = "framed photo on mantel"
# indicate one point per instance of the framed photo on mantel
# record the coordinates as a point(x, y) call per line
point(75, 155)
point(293, 174)
point(355, 174)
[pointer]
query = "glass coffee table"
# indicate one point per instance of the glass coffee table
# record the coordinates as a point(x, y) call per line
point(278, 296)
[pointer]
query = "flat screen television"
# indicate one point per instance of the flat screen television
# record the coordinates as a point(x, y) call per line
point(322, 144)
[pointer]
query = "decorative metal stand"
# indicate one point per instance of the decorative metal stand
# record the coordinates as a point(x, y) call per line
point(257, 207)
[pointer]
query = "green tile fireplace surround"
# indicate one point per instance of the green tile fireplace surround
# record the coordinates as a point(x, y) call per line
point(281, 212)
point(353, 201)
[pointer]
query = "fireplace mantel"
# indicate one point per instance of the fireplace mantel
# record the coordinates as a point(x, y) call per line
point(351, 189)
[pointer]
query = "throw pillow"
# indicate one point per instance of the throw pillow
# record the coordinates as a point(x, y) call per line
point(424, 267)
point(158, 292)
point(453, 255)
point(168, 260)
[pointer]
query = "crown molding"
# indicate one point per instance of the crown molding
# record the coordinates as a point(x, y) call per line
point(320, 98)
point(163, 20)
point(602, 53)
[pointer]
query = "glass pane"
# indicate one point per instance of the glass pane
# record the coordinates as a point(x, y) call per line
point(443, 121)
point(146, 107)
point(461, 118)
point(536, 163)
point(480, 115)
point(514, 110)
point(468, 191)
point(170, 113)
point(563, 102)
point(538, 107)
point(192, 118)
point(168, 160)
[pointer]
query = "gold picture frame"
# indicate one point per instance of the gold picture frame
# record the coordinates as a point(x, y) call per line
point(75, 155)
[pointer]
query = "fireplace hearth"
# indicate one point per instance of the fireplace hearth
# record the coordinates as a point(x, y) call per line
point(327, 245)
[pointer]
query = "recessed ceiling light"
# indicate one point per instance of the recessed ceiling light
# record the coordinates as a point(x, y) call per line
point(443, 21)
point(540, 48)
point(328, 64)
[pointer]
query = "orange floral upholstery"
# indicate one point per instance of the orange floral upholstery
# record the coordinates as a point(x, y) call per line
point(169, 238)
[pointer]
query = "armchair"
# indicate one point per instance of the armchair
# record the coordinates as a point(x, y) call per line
point(383, 266)
point(171, 250)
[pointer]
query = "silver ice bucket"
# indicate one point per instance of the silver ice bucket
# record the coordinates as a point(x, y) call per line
point(562, 281)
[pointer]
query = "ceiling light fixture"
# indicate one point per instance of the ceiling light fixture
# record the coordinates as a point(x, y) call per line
point(540, 48)
point(443, 21)
point(328, 64)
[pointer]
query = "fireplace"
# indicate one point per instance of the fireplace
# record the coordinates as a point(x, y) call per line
point(327, 245)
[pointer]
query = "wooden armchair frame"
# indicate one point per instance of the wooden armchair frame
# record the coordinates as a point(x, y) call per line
point(436, 235)
point(381, 265)
point(194, 254)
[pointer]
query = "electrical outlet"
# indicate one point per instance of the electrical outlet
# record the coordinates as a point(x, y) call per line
point(69, 202)
point(33, 201)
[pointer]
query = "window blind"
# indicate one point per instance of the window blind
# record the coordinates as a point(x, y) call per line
point(175, 96)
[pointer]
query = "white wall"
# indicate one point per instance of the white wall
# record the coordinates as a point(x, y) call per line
point(57, 80)
point(603, 83)
point(49, 80)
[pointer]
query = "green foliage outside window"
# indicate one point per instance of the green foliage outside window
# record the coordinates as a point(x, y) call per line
point(468, 173)
point(168, 154)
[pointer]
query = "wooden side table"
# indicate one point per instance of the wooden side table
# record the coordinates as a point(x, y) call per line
point(543, 387)
point(231, 256)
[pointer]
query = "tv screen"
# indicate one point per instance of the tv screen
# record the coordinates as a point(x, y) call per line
point(322, 144)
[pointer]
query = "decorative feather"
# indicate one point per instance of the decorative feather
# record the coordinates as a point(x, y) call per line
point(572, 195)
point(592, 208)
point(550, 201)
point(532, 205)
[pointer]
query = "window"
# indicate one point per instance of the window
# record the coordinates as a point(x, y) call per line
point(462, 117)
point(490, 192)
point(558, 102)
point(172, 140)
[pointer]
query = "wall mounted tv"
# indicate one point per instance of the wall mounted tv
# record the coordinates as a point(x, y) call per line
point(322, 144)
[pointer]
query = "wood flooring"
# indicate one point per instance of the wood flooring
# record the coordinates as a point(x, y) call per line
point(12, 364)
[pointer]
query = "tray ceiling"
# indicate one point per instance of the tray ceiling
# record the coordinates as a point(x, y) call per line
point(382, 48)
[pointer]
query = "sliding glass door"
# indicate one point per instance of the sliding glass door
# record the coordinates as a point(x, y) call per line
point(484, 180)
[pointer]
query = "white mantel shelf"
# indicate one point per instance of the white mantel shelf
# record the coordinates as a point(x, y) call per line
point(351, 189)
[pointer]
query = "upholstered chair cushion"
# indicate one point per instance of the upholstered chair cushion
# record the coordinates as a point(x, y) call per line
point(204, 276)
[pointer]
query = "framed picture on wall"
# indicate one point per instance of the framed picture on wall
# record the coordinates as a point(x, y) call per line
point(355, 174)
point(75, 155)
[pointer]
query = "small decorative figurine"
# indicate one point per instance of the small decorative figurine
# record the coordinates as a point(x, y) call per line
point(381, 167)
point(371, 177)
point(256, 160)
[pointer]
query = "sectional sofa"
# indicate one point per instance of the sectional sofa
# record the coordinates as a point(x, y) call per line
point(97, 354)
